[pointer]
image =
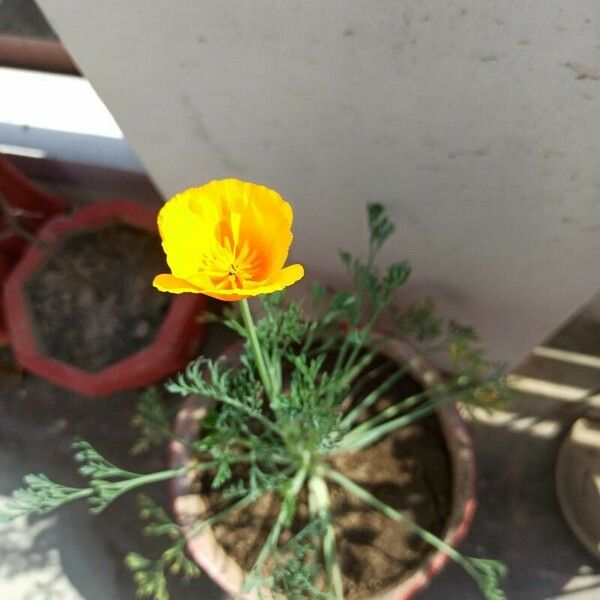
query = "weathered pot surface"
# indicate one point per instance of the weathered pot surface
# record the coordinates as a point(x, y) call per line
point(224, 570)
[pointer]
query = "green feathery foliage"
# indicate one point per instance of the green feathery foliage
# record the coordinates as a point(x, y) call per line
point(106, 482)
point(39, 496)
point(152, 420)
point(150, 575)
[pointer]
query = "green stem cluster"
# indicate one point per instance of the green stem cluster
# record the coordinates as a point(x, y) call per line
point(284, 517)
point(315, 472)
point(321, 505)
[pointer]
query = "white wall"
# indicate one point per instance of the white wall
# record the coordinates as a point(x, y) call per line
point(476, 121)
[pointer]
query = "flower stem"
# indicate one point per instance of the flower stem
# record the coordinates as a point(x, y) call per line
point(393, 514)
point(384, 415)
point(259, 358)
point(319, 495)
point(371, 436)
point(373, 430)
point(106, 492)
point(372, 397)
point(270, 545)
point(215, 518)
point(485, 573)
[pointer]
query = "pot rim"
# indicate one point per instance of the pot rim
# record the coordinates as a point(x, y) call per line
point(175, 343)
point(212, 558)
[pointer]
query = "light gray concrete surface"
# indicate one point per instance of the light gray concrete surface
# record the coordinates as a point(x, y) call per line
point(475, 121)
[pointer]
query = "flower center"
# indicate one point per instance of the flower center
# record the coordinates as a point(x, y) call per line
point(228, 266)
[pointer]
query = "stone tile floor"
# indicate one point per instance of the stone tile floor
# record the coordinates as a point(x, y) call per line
point(518, 518)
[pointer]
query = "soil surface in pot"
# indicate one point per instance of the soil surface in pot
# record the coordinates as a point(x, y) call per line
point(92, 301)
point(409, 470)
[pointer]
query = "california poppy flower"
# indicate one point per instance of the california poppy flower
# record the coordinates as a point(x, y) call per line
point(228, 239)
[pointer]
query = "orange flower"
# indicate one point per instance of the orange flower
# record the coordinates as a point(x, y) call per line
point(228, 239)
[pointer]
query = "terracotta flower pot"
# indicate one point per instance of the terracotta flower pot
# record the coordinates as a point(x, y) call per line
point(21, 194)
point(37, 207)
point(212, 558)
point(4, 271)
point(175, 343)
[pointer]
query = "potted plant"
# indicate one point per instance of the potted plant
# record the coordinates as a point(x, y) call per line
point(318, 447)
point(81, 313)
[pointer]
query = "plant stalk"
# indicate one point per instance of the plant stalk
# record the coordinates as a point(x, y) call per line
point(370, 432)
point(238, 505)
point(263, 372)
point(322, 505)
point(372, 397)
point(393, 514)
point(118, 488)
point(270, 545)
point(484, 577)
point(371, 436)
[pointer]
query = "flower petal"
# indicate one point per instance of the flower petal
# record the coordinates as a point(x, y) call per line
point(169, 283)
point(276, 283)
point(187, 230)
point(280, 280)
point(265, 227)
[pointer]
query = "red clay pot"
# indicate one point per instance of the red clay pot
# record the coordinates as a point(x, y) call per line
point(4, 271)
point(175, 344)
point(212, 558)
point(18, 191)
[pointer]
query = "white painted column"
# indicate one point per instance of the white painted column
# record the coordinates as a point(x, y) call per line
point(477, 122)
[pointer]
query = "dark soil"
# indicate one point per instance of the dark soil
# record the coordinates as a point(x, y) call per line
point(93, 301)
point(410, 470)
